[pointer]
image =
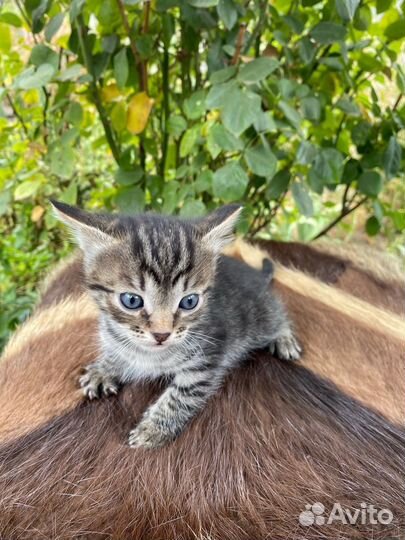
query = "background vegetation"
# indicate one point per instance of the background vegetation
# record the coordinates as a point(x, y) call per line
point(294, 107)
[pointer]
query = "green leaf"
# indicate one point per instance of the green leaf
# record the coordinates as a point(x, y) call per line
point(372, 226)
point(128, 178)
point(218, 135)
point(347, 8)
point(5, 200)
point(241, 110)
point(42, 54)
point(176, 125)
point(76, 7)
point(222, 75)
point(401, 80)
point(327, 33)
point(5, 38)
point(220, 94)
point(306, 153)
point(311, 107)
point(169, 196)
point(69, 195)
point(332, 62)
point(257, 70)
point(31, 78)
point(203, 3)
point(71, 73)
point(53, 26)
point(27, 189)
point(326, 170)
point(69, 136)
point(227, 13)
point(194, 106)
point(302, 199)
point(291, 114)
point(11, 19)
point(62, 161)
point(392, 158)
point(130, 200)
point(395, 30)
point(383, 5)
point(121, 67)
point(261, 160)
point(278, 184)
point(119, 116)
point(265, 122)
point(204, 182)
point(363, 18)
point(370, 183)
point(348, 106)
point(306, 50)
point(230, 182)
point(74, 114)
point(193, 209)
point(189, 141)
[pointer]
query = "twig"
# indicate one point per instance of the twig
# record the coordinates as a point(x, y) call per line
point(26, 19)
point(145, 30)
point(397, 102)
point(272, 214)
point(94, 88)
point(166, 107)
point(17, 114)
point(343, 213)
point(44, 114)
point(239, 44)
point(132, 44)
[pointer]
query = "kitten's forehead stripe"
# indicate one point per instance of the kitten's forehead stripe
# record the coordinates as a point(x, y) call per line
point(164, 249)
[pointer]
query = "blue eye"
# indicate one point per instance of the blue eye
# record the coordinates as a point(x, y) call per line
point(131, 301)
point(189, 302)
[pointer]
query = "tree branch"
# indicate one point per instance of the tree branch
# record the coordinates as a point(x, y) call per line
point(26, 18)
point(397, 102)
point(266, 221)
point(343, 213)
point(138, 60)
point(16, 113)
point(239, 44)
point(165, 108)
point(95, 91)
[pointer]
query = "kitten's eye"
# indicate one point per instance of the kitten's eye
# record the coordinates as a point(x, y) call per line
point(189, 302)
point(131, 301)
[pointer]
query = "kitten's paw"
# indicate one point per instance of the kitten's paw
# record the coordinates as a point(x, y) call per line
point(286, 348)
point(148, 434)
point(95, 383)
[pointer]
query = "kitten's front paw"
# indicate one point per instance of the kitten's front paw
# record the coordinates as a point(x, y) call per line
point(148, 434)
point(95, 383)
point(286, 348)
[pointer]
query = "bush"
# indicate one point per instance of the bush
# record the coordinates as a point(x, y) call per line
point(294, 108)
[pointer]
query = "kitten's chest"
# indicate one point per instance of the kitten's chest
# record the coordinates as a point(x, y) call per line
point(141, 364)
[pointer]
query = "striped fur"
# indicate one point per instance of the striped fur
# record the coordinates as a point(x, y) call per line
point(275, 438)
point(158, 263)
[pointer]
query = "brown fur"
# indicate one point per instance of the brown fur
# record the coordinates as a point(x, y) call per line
point(377, 279)
point(277, 437)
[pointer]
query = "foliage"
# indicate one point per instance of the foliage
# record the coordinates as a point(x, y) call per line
point(181, 105)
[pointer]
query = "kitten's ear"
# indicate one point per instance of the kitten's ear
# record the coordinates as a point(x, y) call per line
point(88, 229)
point(218, 228)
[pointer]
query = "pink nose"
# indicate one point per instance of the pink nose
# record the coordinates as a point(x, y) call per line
point(160, 337)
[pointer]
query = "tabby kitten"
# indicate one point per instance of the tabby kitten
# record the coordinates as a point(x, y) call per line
point(172, 306)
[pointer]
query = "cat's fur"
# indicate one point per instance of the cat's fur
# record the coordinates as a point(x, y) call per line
point(163, 259)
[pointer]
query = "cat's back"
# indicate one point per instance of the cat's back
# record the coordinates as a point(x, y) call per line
point(236, 277)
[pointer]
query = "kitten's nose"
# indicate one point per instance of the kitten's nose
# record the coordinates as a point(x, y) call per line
point(160, 337)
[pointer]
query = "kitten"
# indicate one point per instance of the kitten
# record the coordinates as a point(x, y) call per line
point(172, 306)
